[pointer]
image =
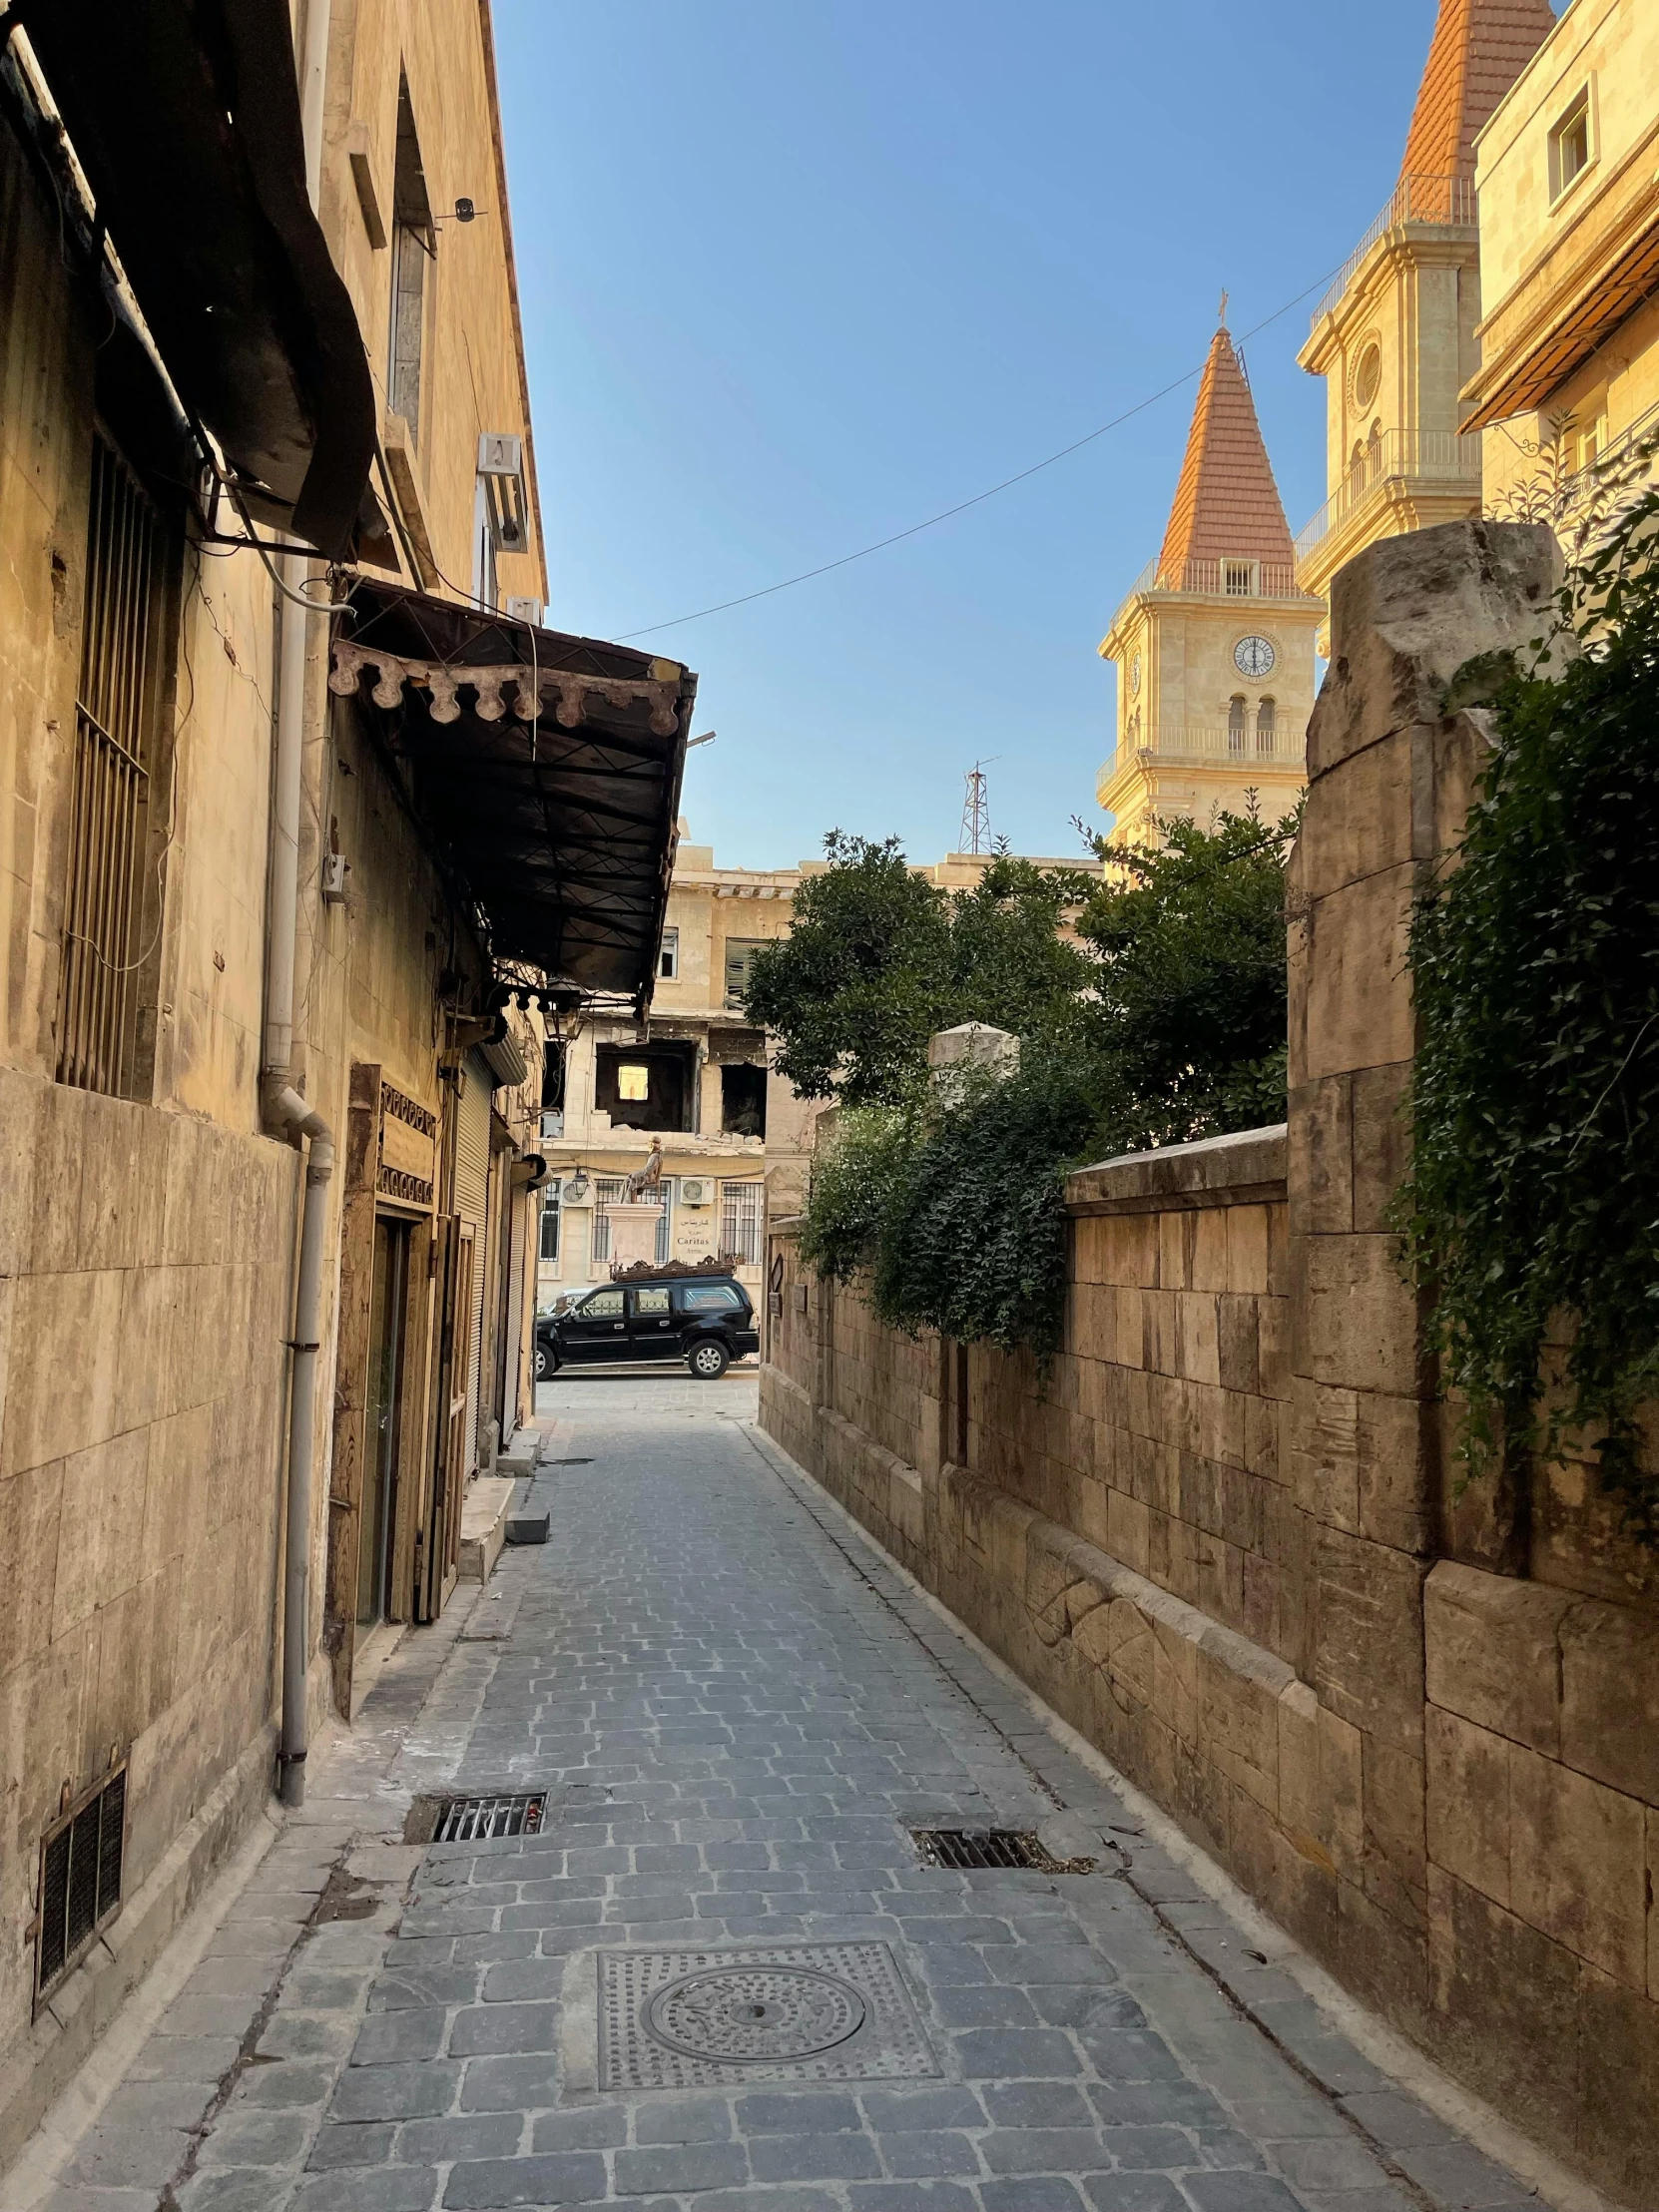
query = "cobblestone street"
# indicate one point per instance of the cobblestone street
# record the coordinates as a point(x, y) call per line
point(739, 1713)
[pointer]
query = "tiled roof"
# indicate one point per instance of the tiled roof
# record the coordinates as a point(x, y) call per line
point(1478, 49)
point(1227, 504)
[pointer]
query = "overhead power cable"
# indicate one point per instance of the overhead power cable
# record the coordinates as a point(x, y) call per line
point(824, 568)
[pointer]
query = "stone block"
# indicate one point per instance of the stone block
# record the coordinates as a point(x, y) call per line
point(1365, 814)
point(1320, 1179)
point(1579, 1865)
point(1492, 1652)
point(1407, 612)
point(62, 1384)
point(1247, 1249)
point(1356, 1318)
point(30, 1516)
point(1237, 1342)
point(1198, 1354)
point(1382, 1141)
point(1394, 1870)
point(1358, 1009)
point(1618, 2119)
point(1503, 2006)
point(102, 1517)
point(1367, 1664)
point(1610, 1697)
point(1468, 1802)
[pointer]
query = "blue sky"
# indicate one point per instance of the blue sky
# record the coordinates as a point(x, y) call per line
point(797, 274)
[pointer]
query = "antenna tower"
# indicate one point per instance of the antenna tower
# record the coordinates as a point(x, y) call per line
point(976, 813)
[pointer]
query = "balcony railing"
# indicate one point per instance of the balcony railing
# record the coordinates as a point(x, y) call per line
point(1237, 579)
point(1283, 746)
point(1447, 202)
point(1446, 459)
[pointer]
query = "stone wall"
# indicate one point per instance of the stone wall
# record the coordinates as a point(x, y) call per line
point(1226, 1535)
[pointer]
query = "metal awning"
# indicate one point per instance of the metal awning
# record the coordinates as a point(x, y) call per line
point(184, 118)
point(560, 821)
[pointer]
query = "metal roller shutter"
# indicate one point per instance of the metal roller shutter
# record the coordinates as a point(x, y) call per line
point(472, 1173)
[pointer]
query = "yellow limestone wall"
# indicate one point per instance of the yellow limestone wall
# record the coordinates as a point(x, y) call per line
point(1226, 1537)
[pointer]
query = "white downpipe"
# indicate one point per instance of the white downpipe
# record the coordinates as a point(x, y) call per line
point(285, 1107)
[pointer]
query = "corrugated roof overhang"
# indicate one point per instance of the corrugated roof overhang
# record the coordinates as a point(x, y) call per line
point(561, 822)
point(185, 117)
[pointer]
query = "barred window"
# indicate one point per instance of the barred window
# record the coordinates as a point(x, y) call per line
point(117, 697)
point(740, 1223)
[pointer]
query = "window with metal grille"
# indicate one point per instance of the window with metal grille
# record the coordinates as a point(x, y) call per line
point(1237, 578)
point(740, 1222)
point(79, 1879)
point(114, 712)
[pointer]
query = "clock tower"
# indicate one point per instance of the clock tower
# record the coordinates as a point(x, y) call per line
point(1213, 646)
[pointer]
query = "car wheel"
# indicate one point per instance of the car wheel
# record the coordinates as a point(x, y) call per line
point(709, 1360)
point(546, 1365)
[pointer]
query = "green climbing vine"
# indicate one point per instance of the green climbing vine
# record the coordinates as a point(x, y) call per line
point(1531, 1206)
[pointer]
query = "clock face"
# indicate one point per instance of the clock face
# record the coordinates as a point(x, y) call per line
point(1253, 657)
point(1135, 676)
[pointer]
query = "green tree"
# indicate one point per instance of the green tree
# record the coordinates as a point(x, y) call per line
point(1188, 1026)
point(1163, 1020)
point(879, 958)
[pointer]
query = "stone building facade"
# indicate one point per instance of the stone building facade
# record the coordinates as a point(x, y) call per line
point(1568, 382)
point(1396, 336)
point(1213, 646)
point(272, 975)
point(1225, 1534)
point(692, 1077)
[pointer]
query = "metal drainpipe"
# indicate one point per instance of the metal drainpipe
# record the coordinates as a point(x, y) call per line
point(284, 1105)
point(290, 1108)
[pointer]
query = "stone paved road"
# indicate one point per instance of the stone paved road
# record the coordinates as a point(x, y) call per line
point(740, 1712)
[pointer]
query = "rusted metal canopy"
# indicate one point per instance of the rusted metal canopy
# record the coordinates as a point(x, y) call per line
point(561, 822)
point(184, 118)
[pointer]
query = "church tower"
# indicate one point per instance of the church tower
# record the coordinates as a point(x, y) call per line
point(1395, 336)
point(1213, 646)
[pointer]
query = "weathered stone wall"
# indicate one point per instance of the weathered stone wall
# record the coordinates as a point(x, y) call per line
point(1227, 1537)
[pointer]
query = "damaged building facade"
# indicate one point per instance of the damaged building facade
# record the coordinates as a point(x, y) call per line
point(311, 830)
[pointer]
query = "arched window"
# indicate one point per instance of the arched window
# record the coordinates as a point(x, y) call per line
point(1356, 468)
point(1235, 723)
point(1267, 724)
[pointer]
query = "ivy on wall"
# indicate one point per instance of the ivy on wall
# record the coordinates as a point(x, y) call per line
point(1531, 1206)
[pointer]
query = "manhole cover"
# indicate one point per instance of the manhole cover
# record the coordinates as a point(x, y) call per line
point(671, 2019)
point(748, 2012)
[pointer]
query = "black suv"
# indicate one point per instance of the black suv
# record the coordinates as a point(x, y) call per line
point(705, 1320)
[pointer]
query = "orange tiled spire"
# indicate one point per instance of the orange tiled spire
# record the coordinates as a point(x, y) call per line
point(1226, 505)
point(1478, 49)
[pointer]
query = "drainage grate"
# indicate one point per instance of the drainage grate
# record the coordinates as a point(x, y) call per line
point(990, 1847)
point(79, 1879)
point(471, 1820)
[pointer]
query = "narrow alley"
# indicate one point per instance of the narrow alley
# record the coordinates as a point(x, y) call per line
point(738, 1711)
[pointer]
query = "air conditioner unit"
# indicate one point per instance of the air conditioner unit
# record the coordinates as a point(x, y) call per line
point(553, 1122)
point(697, 1190)
point(525, 610)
